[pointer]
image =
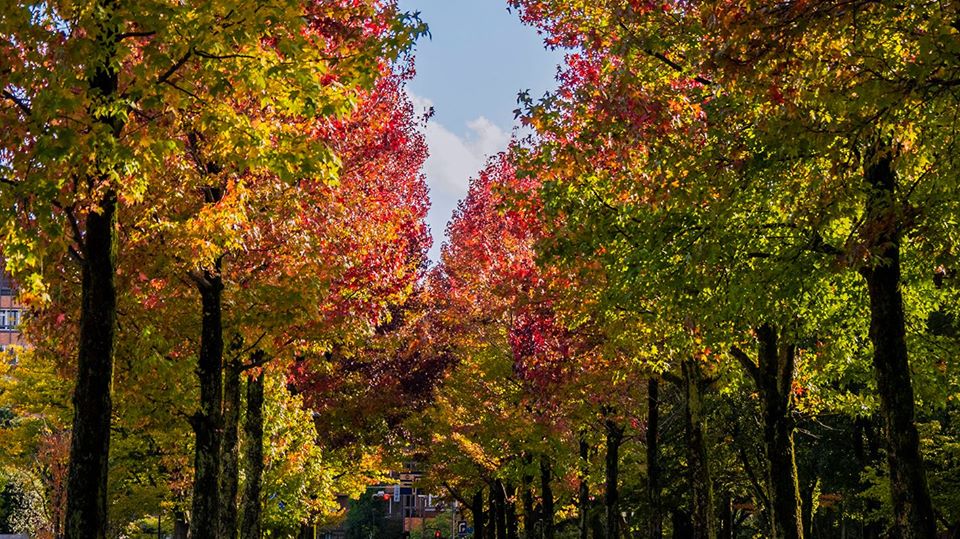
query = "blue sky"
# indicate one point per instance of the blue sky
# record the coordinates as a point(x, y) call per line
point(470, 70)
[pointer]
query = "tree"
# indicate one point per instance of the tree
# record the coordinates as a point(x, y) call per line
point(716, 131)
point(153, 72)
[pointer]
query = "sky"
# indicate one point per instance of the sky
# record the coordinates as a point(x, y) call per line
point(470, 70)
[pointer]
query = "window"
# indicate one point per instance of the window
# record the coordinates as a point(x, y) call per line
point(9, 319)
point(6, 285)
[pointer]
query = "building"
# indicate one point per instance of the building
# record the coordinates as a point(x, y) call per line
point(408, 507)
point(10, 314)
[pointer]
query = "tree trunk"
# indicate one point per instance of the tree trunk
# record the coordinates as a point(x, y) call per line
point(912, 507)
point(180, 526)
point(230, 451)
point(207, 422)
point(701, 485)
point(866, 444)
point(546, 492)
point(776, 371)
point(307, 531)
point(86, 513)
point(772, 374)
point(808, 506)
point(683, 527)
point(498, 508)
point(511, 505)
point(612, 473)
point(478, 516)
point(583, 501)
point(253, 459)
point(530, 518)
point(654, 489)
point(597, 526)
point(726, 517)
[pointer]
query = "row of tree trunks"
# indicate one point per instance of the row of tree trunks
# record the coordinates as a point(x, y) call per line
point(501, 521)
point(502, 514)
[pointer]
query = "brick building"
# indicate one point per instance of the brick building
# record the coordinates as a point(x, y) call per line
point(10, 313)
point(408, 506)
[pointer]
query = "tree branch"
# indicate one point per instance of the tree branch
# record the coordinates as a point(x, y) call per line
point(184, 90)
point(672, 378)
point(748, 364)
point(125, 35)
point(211, 56)
point(173, 69)
point(259, 359)
point(21, 104)
point(457, 495)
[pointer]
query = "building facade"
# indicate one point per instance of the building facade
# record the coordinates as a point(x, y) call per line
point(10, 314)
point(408, 507)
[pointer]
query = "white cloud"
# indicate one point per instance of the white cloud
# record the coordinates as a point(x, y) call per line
point(453, 160)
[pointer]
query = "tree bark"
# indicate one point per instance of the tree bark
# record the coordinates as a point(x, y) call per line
point(478, 515)
point(546, 491)
point(530, 518)
point(86, 512)
point(583, 501)
point(230, 451)
point(253, 459)
point(511, 508)
point(180, 526)
point(772, 374)
point(612, 476)
point(654, 489)
point(498, 508)
point(683, 527)
point(701, 484)
point(726, 517)
point(866, 444)
point(912, 507)
point(208, 421)
point(86, 515)
point(808, 506)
